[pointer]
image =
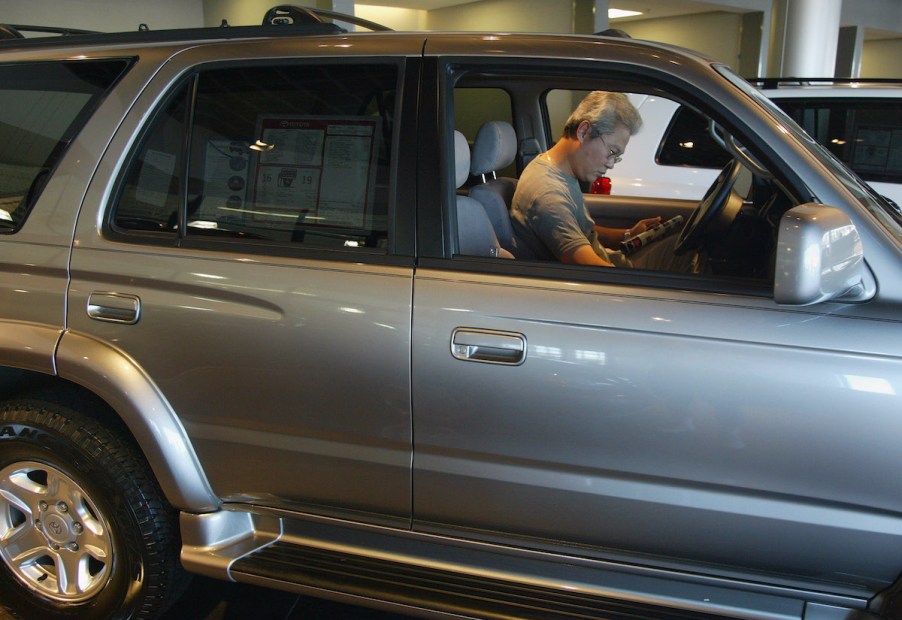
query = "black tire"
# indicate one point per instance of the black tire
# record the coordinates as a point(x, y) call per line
point(85, 531)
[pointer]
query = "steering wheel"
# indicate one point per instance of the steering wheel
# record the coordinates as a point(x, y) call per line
point(708, 209)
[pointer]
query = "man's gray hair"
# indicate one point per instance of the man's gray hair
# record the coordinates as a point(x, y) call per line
point(604, 111)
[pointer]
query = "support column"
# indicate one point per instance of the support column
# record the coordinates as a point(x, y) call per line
point(343, 6)
point(812, 29)
point(590, 16)
point(339, 6)
point(848, 52)
point(601, 15)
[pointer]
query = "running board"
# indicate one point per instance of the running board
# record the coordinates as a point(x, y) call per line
point(439, 577)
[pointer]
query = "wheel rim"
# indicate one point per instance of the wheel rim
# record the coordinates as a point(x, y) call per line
point(53, 537)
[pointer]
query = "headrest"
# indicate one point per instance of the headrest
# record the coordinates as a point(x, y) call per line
point(461, 159)
point(495, 147)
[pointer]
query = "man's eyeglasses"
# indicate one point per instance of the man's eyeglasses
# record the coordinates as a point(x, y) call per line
point(612, 154)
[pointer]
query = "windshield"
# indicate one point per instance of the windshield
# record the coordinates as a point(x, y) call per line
point(886, 211)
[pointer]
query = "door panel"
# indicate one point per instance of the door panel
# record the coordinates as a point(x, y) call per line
point(659, 424)
point(239, 244)
point(624, 211)
point(291, 376)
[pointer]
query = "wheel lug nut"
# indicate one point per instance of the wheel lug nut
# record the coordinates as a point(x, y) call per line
point(62, 507)
point(37, 523)
point(42, 505)
point(72, 547)
point(77, 528)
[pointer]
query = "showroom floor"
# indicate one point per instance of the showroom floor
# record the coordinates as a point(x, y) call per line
point(209, 599)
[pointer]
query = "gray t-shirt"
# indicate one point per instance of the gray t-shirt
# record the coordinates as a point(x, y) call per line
point(549, 215)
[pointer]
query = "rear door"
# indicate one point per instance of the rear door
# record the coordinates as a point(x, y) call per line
point(247, 255)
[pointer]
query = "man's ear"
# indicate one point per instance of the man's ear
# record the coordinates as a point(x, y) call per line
point(583, 130)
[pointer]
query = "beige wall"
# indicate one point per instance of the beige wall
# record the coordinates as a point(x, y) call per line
point(396, 19)
point(250, 12)
point(882, 59)
point(105, 15)
point(715, 34)
point(237, 12)
point(505, 16)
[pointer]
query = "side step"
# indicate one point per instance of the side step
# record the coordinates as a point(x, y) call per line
point(428, 575)
point(430, 588)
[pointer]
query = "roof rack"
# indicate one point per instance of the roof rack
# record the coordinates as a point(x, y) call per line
point(291, 14)
point(14, 31)
point(282, 20)
point(777, 82)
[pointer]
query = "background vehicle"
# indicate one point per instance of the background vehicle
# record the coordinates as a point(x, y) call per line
point(856, 120)
point(251, 327)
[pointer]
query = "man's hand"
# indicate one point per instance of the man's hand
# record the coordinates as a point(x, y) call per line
point(642, 225)
point(611, 237)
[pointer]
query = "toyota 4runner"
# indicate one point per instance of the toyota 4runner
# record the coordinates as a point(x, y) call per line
point(256, 324)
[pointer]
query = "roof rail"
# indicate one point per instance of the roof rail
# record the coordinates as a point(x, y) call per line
point(282, 20)
point(777, 82)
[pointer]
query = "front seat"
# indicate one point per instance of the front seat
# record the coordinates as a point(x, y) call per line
point(494, 149)
point(475, 233)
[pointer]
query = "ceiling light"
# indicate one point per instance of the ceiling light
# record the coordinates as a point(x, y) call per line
point(617, 13)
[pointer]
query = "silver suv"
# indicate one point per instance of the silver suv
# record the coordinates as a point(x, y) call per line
point(251, 328)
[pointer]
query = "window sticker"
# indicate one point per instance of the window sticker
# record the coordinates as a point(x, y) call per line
point(225, 175)
point(315, 170)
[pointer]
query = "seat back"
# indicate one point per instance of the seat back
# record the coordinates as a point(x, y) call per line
point(475, 233)
point(495, 148)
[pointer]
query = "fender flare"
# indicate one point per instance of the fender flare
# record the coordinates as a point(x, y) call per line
point(115, 377)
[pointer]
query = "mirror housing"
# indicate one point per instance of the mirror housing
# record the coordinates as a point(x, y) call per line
point(820, 257)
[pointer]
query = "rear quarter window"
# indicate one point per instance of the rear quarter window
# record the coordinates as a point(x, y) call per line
point(43, 106)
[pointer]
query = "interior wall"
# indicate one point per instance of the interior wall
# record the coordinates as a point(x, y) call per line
point(396, 19)
point(504, 16)
point(250, 12)
point(750, 59)
point(237, 12)
point(106, 15)
point(882, 59)
point(716, 34)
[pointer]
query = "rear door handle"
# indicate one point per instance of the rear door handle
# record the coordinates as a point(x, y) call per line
point(488, 346)
point(114, 307)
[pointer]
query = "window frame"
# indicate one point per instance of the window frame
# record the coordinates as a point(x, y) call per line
point(398, 249)
point(563, 74)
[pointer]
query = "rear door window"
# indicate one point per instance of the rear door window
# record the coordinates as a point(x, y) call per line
point(43, 106)
point(293, 155)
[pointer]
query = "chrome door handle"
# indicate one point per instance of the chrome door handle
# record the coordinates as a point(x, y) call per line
point(114, 307)
point(488, 346)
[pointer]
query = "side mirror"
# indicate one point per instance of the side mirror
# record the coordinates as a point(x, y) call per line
point(819, 258)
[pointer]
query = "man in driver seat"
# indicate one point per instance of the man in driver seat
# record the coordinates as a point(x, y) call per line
point(549, 214)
